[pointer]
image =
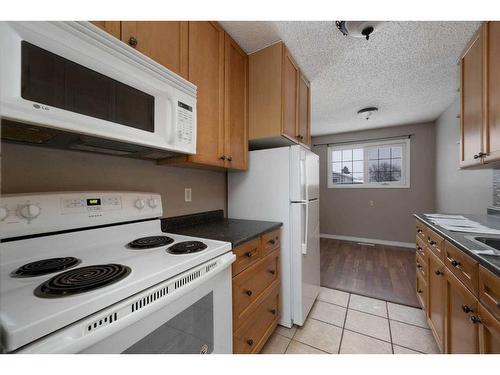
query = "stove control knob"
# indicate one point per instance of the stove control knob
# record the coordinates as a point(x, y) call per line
point(140, 203)
point(152, 202)
point(30, 211)
point(3, 213)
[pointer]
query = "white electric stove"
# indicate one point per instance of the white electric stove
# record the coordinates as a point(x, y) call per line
point(93, 272)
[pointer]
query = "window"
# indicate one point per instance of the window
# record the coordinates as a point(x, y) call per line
point(383, 164)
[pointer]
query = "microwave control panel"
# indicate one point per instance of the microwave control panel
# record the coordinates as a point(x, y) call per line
point(185, 123)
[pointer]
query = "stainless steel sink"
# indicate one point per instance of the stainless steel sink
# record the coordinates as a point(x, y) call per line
point(489, 241)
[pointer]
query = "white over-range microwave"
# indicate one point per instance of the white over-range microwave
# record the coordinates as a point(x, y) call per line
point(72, 85)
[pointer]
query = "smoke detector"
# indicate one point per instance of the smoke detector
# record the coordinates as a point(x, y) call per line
point(367, 112)
point(358, 29)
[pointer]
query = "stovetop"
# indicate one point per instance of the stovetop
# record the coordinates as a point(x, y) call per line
point(24, 316)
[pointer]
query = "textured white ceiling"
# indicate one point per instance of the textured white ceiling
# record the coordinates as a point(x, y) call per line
point(407, 69)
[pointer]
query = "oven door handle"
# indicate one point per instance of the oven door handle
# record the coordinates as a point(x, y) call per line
point(75, 338)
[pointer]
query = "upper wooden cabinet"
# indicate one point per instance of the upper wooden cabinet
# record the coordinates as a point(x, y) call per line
point(304, 127)
point(112, 27)
point(203, 53)
point(480, 97)
point(166, 42)
point(279, 111)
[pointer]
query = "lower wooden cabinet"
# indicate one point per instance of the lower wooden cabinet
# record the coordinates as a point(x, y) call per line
point(436, 304)
point(461, 299)
point(256, 292)
point(462, 331)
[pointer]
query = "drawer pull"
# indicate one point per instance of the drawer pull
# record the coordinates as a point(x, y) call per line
point(419, 291)
point(248, 254)
point(419, 248)
point(419, 266)
point(272, 241)
point(248, 292)
point(250, 342)
point(432, 243)
point(438, 272)
point(474, 319)
point(272, 272)
point(455, 263)
point(466, 309)
point(272, 311)
point(132, 41)
point(419, 231)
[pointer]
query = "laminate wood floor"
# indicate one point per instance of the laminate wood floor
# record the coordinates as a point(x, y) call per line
point(383, 272)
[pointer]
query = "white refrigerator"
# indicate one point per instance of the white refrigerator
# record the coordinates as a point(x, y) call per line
point(282, 184)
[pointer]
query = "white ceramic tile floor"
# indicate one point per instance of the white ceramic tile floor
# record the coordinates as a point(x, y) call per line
point(341, 323)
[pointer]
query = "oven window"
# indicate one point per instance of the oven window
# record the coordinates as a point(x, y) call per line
point(50, 79)
point(189, 332)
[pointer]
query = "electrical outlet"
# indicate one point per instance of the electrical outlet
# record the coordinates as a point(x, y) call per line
point(187, 194)
point(371, 203)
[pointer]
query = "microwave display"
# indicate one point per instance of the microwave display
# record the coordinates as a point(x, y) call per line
point(52, 80)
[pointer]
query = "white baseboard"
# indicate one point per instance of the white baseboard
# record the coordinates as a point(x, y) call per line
point(409, 245)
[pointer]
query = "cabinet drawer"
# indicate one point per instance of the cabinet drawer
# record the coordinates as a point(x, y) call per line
point(462, 266)
point(253, 334)
point(270, 241)
point(421, 291)
point(420, 230)
point(489, 291)
point(251, 283)
point(421, 265)
point(247, 254)
point(435, 243)
point(420, 247)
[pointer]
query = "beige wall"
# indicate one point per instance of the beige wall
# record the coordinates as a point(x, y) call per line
point(468, 191)
point(347, 212)
point(31, 169)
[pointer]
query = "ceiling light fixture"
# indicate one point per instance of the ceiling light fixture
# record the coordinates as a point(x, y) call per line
point(367, 112)
point(358, 29)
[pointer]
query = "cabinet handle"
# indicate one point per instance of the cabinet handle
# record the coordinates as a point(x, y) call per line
point(133, 41)
point(248, 254)
point(222, 157)
point(432, 243)
point(474, 319)
point(466, 309)
point(455, 263)
point(250, 342)
point(248, 292)
point(438, 272)
point(300, 136)
point(419, 230)
point(419, 266)
point(272, 272)
point(272, 311)
point(229, 158)
point(480, 155)
point(419, 291)
point(419, 248)
point(272, 241)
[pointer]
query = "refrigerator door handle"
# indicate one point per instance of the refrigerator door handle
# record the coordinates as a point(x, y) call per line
point(303, 245)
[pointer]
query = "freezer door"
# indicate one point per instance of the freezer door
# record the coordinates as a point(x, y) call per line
point(298, 177)
point(312, 174)
point(305, 258)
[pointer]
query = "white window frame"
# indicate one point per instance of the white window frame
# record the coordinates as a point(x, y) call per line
point(405, 172)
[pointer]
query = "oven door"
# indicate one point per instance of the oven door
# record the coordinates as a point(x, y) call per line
point(195, 318)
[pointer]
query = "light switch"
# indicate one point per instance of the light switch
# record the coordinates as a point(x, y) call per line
point(187, 194)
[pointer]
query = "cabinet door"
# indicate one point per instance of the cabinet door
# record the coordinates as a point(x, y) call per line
point(461, 332)
point(304, 123)
point(290, 92)
point(236, 105)
point(206, 71)
point(112, 27)
point(492, 129)
point(472, 116)
point(436, 307)
point(489, 332)
point(166, 42)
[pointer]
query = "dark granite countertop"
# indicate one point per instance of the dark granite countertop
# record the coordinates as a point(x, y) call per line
point(464, 241)
point(213, 225)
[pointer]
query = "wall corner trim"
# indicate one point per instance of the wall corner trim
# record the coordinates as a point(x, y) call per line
point(409, 245)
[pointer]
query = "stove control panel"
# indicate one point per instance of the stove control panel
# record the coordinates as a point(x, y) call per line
point(27, 214)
